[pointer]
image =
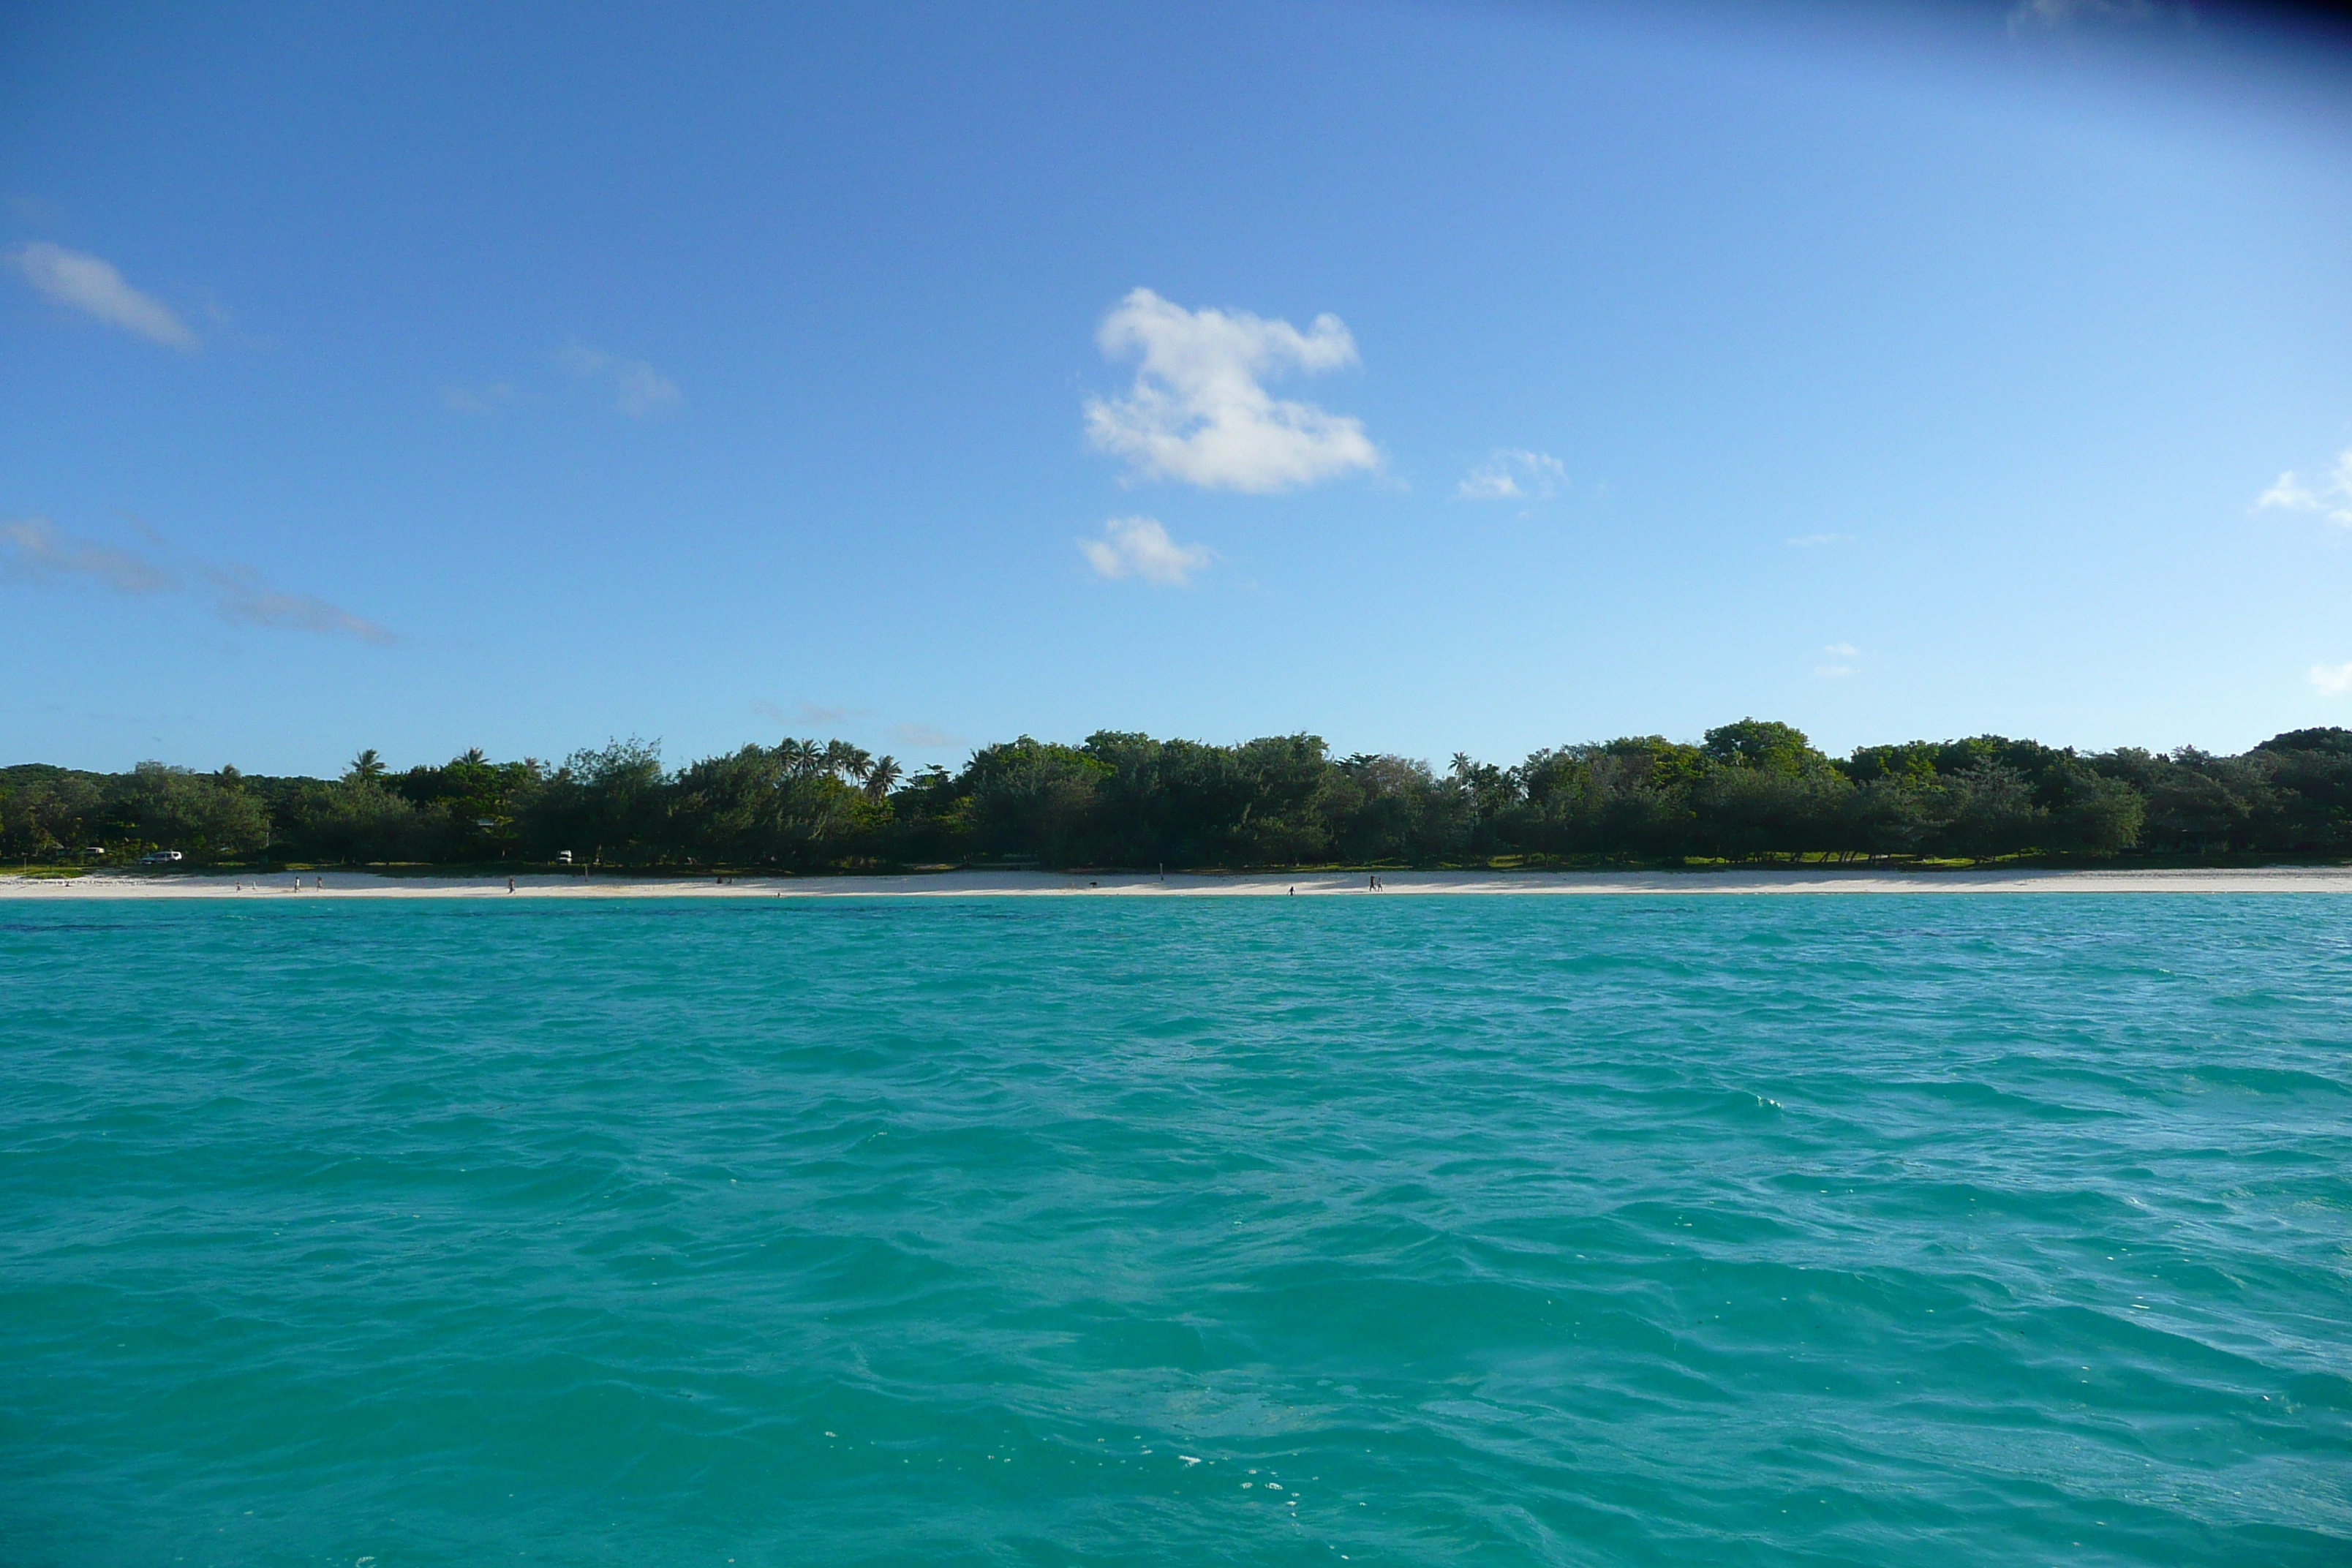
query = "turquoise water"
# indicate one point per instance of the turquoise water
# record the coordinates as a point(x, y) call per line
point(1774, 1231)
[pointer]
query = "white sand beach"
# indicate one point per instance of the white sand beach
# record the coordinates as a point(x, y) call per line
point(1050, 884)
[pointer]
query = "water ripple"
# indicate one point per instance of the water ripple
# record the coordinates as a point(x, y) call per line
point(1636, 1231)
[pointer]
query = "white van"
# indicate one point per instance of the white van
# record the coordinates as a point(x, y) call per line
point(161, 858)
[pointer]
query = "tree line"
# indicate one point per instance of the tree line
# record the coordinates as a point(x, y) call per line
point(1753, 792)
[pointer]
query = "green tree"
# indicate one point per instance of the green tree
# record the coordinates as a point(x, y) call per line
point(2308, 803)
point(1762, 743)
point(610, 801)
point(1913, 762)
point(358, 821)
point(1892, 814)
point(1746, 812)
point(48, 811)
point(1388, 808)
point(472, 803)
point(1993, 812)
point(1032, 799)
point(2200, 802)
point(2092, 815)
point(790, 805)
point(174, 809)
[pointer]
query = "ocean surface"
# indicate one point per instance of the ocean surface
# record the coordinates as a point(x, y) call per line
point(1387, 1230)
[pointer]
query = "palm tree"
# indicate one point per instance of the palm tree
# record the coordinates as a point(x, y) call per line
point(841, 757)
point(365, 767)
point(880, 775)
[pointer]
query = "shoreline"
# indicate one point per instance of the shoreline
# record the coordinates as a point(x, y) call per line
point(1050, 884)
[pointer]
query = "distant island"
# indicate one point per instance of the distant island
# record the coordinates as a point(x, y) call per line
point(1753, 793)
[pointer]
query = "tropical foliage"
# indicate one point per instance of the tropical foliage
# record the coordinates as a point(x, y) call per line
point(1751, 791)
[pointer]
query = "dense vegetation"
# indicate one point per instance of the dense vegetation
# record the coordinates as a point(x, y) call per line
point(1753, 791)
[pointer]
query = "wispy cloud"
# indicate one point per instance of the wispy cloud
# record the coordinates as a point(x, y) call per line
point(93, 286)
point(478, 399)
point(818, 713)
point(240, 594)
point(1198, 410)
point(638, 388)
point(1816, 540)
point(2048, 16)
point(1140, 547)
point(40, 552)
point(909, 737)
point(924, 738)
point(807, 713)
point(37, 552)
point(1513, 475)
point(2330, 680)
point(2330, 495)
point(1841, 651)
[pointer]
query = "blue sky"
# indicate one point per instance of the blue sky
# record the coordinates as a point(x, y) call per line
point(1433, 377)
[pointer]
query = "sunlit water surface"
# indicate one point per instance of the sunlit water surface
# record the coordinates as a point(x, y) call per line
point(1794, 1230)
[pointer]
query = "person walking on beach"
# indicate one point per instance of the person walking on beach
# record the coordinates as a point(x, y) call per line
point(510, 884)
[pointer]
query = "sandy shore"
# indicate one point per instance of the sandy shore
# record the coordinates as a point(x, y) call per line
point(1032, 884)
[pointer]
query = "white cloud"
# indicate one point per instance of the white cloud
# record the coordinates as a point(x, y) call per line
point(2331, 495)
point(2289, 492)
point(1197, 410)
point(638, 389)
point(239, 594)
point(1140, 547)
point(1837, 651)
point(1815, 541)
point(2330, 680)
point(1842, 651)
point(91, 284)
point(1512, 475)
